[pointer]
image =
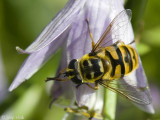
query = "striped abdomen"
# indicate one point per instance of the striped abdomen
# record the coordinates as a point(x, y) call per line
point(123, 60)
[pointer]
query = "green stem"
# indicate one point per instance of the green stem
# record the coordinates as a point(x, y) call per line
point(110, 100)
point(138, 9)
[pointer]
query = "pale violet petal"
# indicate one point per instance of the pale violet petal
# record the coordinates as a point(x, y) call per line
point(122, 1)
point(99, 100)
point(147, 108)
point(142, 82)
point(96, 102)
point(36, 60)
point(57, 26)
point(64, 89)
point(140, 75)
point(83, 93)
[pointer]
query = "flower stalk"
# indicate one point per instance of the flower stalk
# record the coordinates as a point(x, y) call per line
point(110, 101)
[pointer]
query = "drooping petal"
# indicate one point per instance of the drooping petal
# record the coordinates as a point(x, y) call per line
point(33, 63)
point(139, 79)
point(147, 108)
point(98, 106)
point(96, 103)
point(47, 42)
point(62, 89)
point(142, 82)
point(57, 26)
point(122, 1)
point(99, 14)
point(83, 93)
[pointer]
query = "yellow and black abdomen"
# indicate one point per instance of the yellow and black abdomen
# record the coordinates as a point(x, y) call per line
point(122, 60)
point(130, 58)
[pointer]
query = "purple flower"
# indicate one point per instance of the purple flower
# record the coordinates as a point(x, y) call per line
point(69, 30)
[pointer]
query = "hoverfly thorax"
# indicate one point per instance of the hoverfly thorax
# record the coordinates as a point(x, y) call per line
point(91, 68)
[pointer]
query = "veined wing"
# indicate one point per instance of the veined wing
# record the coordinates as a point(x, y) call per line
point(139, 95)
point(115, 31)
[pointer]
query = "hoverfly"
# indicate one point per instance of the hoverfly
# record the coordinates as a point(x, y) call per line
point(108, 65)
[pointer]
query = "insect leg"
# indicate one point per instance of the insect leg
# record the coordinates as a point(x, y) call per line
point(95, 87)
point(82, 107)
point(61, 72)
point(91, 36)
point(84, 110)
point(57, 78)
point(78, 111)
point(133, 41)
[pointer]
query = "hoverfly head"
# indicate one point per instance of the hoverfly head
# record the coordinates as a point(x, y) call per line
point(72, 72)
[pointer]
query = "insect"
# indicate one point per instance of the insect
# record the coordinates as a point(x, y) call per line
point(108, 65)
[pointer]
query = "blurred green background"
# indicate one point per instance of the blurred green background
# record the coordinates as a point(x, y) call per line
point(22, 20)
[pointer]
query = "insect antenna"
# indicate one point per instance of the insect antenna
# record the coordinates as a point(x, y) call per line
point(133, 41)
point(57, 79)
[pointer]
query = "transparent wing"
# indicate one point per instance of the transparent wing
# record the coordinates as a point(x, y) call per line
point(115, 31)
point(139, 95)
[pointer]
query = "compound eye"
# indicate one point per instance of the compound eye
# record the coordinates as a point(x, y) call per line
point(76, 65)
point(72, 64)
point(85, 63)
